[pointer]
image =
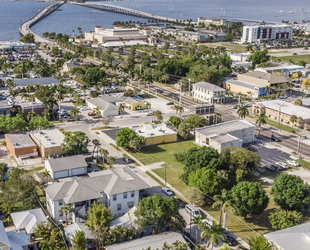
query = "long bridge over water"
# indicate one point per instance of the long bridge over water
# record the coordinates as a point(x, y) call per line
point(125, 11)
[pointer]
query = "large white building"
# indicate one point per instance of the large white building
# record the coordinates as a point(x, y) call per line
point(215, 21)
point(254, 34)
point(208, 92)
point(118, 33)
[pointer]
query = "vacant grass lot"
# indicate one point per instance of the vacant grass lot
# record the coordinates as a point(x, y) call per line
point(230, 47)
point(297, 58)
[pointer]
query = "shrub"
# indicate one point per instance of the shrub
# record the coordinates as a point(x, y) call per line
point(180, 156)
point(3, 143)
point(94, 94)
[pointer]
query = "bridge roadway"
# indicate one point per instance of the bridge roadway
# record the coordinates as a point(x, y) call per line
point(124, 10)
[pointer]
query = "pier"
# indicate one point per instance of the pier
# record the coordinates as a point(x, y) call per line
point(24, 28)
point(252, 21)
point(125, 11)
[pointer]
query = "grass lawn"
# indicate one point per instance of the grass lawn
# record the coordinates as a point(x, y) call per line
point(133, 161)
point(111, 144)
point(304, 163)
point(297, 58)
point(40, 195)
point(154, 178)
point(230, 47)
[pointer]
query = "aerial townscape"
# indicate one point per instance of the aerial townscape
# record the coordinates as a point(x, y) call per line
point(154, 125)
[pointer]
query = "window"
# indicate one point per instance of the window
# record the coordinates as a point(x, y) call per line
point(114, 197)
point(119, 207)
point(125, 195)
point(60, 203)
point(132, 193)
point(130, 204)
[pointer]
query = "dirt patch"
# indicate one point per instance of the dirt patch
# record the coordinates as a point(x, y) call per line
point(302, 173)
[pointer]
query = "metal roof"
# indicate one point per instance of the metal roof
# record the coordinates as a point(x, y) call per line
point(153, 242)
point(3, 236)
point(33, 81)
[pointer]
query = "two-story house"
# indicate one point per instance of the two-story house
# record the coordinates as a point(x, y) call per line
point(208, 92)
point(116, 188)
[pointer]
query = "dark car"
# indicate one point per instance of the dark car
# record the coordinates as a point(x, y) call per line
point(230, 241)
point(274, 138)
point(176, 98)
point(181, 203)
point(127, 160)
point(159, 91)
point(270, 168)
point(169, 103)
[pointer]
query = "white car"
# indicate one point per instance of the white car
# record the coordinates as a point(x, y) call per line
point(283, 165)
point(293, 163)
point(167, 191)
point(207, 222)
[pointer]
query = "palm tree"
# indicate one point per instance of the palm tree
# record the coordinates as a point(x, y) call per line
point(65, 210)
point(165, 78)
point(10, 83)
point(267, 89)
point(46, 114)
point(79, 241)
point(262, 119)
point(299, 74)
point(60, 96)
point(293, 119)
point(104, 153)
point(24, 95)
point(242, 110)
point(75, 112)
point(28, 88)
point(212, 233)
point(300, 122)
point(121, 108)
point(97, 144)
point(46, 175)
point(222, 95)
point(179, 109)
point(197, 221)
point(147, 105)
point(298, 102)
point(97, 111)
point(223, 200)
point(84, 87)
point(110, 160)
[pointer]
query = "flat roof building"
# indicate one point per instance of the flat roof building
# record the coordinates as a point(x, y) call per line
point(208, 92)
point(155, 133)
point(49, 142)
point(225, 135)
point(5, 108)
point(285, 71)
point(215, 21)
point(33, 81)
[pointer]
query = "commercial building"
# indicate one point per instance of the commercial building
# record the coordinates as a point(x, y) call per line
point(113, 35)
point(225, 135)
point(36, 107)
point(109, 105)
point(254, 34)
point(5, 108)
point(156, 241)
point(117, 188)
point(16, 46)
point(21, 146)
point(208, 92)
point(49, 142)
point(239, 57)
point(33, 81)
point(282, 111)
point(155, 133)
point(255, 82)
point(285, 71)
point(292, 238)
point(215, 21)
point(66, 166)
point(27, 220)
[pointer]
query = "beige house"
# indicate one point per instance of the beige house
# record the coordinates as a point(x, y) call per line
point(282, 111)
point(155, 133)
point(226, 135)
point(49, 142)
point(118, 33)
point(215, 21)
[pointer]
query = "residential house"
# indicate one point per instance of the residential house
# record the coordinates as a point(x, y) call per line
point(66, 166)
point(72, 229)
point(5, 108)
point(225, 135)
point(27, 220)
point(49, 142)
point(116, 188)
point(155, 133)
point(72, 63)
point(208, 92)
point(156, 241)
point(21, 146)
point(12, 240)
point(282, 111)
point(292, 238)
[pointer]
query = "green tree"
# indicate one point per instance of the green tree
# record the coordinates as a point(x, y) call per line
point(205, 180)
point(75, 112)
point(3, 170)
point(262, 119)
point(65, 210)
point(76, 143)
point(79, 241)
point(242, 111)
point(249, 198)
point(124, 136)
point(28, 38)
point(259, 243)
point(291, 193)
point(97, 144)
point(259, 57)
point(293, 119)
point(104, 153)
point(110, 160)
point(298, 102)
point(159, 212)
point(300, 122)
point(211, 233)
point(282, 219)
point(121, 109)
point(223, 200)
point(46, 175)
point(60, 96)
point(137, 142)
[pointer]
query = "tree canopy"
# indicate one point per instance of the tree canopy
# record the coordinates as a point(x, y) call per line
point(76, 143)
point(291, 193)
point(259, 243)
point(124, 136)
point(281, 219)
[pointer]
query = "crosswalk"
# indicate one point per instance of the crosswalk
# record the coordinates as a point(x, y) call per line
point(269, 155)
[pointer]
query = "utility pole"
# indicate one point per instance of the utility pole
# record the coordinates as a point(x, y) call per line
point(165, 173)
point(279, 117)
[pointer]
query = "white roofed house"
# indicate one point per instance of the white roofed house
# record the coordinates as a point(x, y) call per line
point(66, 166)
point(116, 188)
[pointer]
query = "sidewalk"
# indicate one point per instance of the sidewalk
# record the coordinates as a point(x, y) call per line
point(145, 168)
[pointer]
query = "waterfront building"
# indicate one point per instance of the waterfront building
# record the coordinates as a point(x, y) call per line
point(215, 21)
point(257, 33)
point(116, 34)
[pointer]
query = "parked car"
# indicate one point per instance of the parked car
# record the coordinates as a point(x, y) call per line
point(127, 160)
point(91, 114)
point(274, 138)
point(282, 165)
point(270, 168)
point(176, 98)
point(207, 222)
point(229, 240)
point(149, 113)
point(167, 191)
point(293, 163)
point(159, 91)
point(169, 103)
point(181, 203)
